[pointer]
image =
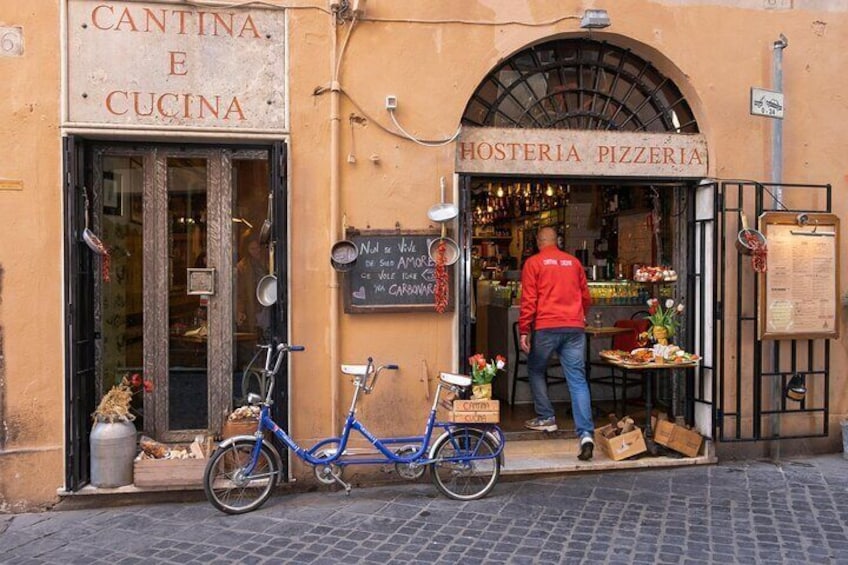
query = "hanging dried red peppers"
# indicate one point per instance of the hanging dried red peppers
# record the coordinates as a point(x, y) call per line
point(759, 252)
point(441, 277)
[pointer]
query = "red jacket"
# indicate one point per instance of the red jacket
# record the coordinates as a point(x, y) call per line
point(554, 293)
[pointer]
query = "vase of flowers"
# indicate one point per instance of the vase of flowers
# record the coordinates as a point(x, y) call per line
point(664, 318)
point(482, 374)
point(113, 436)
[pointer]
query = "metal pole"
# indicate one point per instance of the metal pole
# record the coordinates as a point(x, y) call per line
point(777, 124)
point(777, 195)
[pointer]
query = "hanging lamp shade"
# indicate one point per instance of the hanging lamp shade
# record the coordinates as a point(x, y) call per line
point(796, 388)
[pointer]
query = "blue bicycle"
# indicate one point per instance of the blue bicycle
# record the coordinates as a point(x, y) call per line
point(464, 461)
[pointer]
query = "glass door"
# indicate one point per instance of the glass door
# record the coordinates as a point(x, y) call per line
point(187, 229)
point(176, 296)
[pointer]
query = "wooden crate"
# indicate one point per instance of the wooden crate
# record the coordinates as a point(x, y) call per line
point(152, 473)
point(476, 405)
point(475, 412)
point(475, 417)
point(245, 427)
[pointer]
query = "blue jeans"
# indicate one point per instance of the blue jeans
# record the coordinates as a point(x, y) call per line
point(571, 349)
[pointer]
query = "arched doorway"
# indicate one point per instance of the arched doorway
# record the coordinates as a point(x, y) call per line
point(615, 171)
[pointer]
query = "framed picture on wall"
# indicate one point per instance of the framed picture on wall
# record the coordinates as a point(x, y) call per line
point(111, 193)
point(136, 208)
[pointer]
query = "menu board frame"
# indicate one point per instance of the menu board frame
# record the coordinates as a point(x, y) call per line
point(350, 307)
point(782, 287)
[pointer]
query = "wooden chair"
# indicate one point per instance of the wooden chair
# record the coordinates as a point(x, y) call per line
point(521, 359)
point(617, 377)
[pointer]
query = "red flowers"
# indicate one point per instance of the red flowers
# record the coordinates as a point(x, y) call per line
point(483, 372)
point(137, 382)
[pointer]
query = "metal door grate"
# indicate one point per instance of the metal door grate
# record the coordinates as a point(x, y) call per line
point(751, 374)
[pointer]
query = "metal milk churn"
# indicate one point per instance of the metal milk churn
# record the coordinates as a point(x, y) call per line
point(113, 446)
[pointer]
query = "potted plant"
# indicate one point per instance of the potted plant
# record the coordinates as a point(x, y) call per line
point(113, 436)
point(664, 321)
point(482, 374)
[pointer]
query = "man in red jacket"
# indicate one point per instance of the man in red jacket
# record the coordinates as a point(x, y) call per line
point(554, 302)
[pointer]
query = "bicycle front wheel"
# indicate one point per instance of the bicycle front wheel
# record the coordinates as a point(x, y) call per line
point(465, 466)
point(227, 483)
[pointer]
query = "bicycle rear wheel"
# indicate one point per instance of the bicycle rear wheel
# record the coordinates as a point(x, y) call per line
point(227, 485)
point(465, 466)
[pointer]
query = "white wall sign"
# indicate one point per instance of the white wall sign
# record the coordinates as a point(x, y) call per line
point(155, 65)
point(766, 103)
point(11, 41)
point(581, 152)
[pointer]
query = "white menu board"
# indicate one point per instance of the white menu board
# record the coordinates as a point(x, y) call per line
point(799, 290)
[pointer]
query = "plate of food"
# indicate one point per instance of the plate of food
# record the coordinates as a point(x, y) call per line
point(684, 358)
point(614, 355)
point(641, 356)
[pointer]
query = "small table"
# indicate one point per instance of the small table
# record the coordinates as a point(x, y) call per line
point(652, 367)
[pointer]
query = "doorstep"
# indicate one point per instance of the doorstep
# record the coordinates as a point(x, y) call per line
point(552, 453)
point(559, 455)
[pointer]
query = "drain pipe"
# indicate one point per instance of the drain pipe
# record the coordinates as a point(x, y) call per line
point(777, 196)
point(333, 313)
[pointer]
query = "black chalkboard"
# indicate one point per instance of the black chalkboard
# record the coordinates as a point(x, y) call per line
point(392, 273)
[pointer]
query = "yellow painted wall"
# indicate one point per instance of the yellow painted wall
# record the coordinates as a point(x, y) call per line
point(32, 355)
point(713, 51)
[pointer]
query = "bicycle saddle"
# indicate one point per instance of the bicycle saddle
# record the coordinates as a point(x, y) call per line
point(355, 370)
point(456, 380)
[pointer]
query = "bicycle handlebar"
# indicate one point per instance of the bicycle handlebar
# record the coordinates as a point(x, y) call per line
point(285, 347)
point(376, 373)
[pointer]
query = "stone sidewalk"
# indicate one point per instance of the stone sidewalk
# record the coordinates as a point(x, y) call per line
point(734, 512)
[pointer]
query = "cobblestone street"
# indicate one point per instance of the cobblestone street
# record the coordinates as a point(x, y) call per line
point(735, 512)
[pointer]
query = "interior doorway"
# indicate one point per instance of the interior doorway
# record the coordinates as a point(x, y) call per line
point(625, 233)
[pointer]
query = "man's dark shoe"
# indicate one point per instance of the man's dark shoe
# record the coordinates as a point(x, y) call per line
point(587, 446)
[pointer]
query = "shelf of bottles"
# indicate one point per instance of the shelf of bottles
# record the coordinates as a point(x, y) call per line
point(507, 201)
point(619, 293)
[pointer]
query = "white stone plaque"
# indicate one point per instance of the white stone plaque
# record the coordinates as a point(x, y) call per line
point(151, 65)
point(11, 41)
point(580, 152)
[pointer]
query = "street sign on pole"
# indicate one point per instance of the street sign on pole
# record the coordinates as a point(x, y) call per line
point(766, 103)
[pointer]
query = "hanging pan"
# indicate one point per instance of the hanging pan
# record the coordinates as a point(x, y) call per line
point(442, 212)
point(265, 230)
point(748, 238)
point(91, 240)
point(266, 290)
point(451, 249)
point(343, 255)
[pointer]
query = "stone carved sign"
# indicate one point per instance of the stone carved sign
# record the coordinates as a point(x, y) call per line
point(149, 65)
point(578, 152)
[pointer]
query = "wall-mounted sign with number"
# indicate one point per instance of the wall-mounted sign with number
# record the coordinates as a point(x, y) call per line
point(799, 292)
point(766, 103)
point(11, 41)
